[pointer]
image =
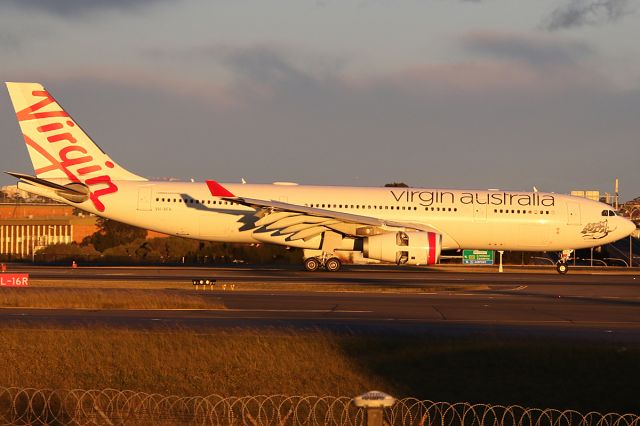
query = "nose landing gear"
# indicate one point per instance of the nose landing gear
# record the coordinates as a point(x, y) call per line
point(562, 268)
point(563, 263)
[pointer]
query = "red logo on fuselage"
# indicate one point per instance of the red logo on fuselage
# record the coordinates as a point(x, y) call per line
point(61, 140)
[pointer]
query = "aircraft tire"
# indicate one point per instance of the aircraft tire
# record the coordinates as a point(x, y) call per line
point(333, 264)
point(562, 268)
point(311, 264)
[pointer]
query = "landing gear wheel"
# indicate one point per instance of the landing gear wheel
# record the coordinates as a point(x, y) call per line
point(311, 264)
point(562, 268)
point(333, 264)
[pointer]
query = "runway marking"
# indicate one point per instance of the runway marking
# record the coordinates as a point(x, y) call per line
point(43, 308)
point(444, 318)
point(310, 311)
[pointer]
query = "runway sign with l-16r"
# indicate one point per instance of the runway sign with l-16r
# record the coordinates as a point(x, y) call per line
point(477, 257)
point(14, 280)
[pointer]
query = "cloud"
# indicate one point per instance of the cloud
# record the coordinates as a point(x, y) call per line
point(78, 7)
point(504, 64)
point(536, 50)
point(579, 13)
point(260, 71)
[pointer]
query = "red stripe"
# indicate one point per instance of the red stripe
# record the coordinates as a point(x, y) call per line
point(432, 248)
point(218, 190)
point(54, 164)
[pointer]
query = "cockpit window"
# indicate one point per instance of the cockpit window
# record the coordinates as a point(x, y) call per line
point(608, 213)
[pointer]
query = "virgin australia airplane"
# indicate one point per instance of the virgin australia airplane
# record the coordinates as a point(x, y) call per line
point(397, 225)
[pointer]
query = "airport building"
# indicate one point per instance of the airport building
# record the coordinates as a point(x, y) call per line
point(26, 228)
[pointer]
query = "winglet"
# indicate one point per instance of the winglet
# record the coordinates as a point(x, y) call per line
point(218, 190)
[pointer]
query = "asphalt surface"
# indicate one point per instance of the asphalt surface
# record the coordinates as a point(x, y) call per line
point(593, 306)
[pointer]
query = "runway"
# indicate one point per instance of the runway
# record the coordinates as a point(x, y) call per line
point(576, 305)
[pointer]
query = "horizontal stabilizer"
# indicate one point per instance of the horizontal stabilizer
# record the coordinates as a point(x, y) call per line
point(75, 192)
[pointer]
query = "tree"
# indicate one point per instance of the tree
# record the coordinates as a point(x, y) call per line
point(64, 252)
point(396, 185)
point(111, 234)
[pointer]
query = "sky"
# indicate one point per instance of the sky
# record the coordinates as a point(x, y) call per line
point(435, 93)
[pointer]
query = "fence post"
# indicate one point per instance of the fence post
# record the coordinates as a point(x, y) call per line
point(374, 402)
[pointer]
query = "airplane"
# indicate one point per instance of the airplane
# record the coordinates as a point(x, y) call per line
point(405, 226)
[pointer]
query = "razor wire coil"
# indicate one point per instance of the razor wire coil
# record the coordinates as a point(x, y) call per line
point(125, 407)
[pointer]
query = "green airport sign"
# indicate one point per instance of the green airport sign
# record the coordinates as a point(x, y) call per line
point(478, 257)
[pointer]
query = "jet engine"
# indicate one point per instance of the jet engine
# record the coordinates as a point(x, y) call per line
point(411, 248)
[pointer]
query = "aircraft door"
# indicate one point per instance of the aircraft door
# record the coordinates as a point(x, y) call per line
point(573, 214)
point(144, 198)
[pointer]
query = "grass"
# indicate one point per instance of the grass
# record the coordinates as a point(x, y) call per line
point(247, 362)
point(531, 372)
point(498, 369)
point(105, 298)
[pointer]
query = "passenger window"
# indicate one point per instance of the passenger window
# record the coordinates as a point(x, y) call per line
point(605, 212)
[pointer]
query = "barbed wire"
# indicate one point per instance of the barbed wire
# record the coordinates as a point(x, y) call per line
point(119, 407)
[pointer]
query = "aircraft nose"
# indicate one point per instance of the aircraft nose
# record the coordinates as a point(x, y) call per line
point(628, 227)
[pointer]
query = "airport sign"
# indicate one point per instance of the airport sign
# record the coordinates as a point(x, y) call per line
point(14, 280)
point(477, 257)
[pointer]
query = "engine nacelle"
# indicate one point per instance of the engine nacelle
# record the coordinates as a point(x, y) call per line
point(411, 248)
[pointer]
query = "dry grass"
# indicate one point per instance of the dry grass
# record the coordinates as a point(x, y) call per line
point(527, 371)
point(105, 298)
point(183, 362)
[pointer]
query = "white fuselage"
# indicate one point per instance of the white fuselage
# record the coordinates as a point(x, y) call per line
point(499, 220)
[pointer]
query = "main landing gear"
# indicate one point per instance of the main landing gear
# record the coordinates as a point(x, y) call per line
point(563, 263)
point(331, 264)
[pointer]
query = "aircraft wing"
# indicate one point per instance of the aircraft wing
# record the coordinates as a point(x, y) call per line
point(304, 222)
